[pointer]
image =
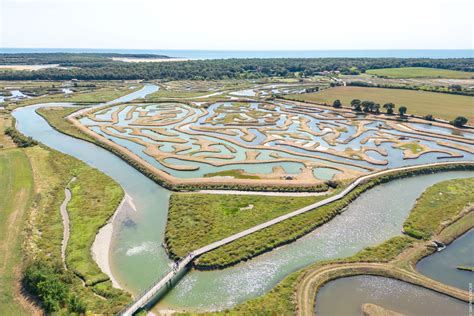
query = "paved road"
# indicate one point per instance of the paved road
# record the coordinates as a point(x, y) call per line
point(147, 295)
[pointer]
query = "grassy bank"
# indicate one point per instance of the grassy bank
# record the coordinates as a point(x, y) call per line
point(293, 228)
point(195, 220)
point(280, 300)
point(445, 106)
point(16, 187)
point(56, 117)
point(439, 203)
point(94, 199)
point(420, 72)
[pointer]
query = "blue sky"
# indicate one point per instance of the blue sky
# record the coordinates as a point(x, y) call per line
point(243, 24)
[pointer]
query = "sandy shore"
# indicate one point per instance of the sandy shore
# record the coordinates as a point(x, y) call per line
point(148, 60)
point(27, 67)
point(103, 240)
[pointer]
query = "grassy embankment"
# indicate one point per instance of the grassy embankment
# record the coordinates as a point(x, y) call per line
point(440, 203)
point(188, 213)
point(420, 72)
point(56, 118)
point(95, 197)
point(16, 187)
point(281, 299)
point(441, 105)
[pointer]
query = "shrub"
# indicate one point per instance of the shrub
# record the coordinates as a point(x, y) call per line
point(459, 121)
point(19, 139)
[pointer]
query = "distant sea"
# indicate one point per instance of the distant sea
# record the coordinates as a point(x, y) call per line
point(223, 54)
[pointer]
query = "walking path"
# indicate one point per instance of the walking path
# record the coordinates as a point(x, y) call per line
point(267, 193)
point(65, 216)
point(148, 294)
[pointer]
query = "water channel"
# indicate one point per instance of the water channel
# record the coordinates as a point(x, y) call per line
point(137, 257)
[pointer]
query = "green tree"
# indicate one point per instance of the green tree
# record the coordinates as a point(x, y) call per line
point(356, 104)
point(376, 108)
point(367, 106)
point(389, 107)
point(402, 110)
point(337, 103)
point(459, 121)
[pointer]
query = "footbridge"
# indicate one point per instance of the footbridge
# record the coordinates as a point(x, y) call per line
point(179, 266)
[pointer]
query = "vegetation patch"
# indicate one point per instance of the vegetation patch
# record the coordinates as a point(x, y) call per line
point(195, 220)
point(94, 199)
point(420, 72)
point(446, 106)
point(236, 174)
point(19, 139)
point(439, 203)
point(56, 117)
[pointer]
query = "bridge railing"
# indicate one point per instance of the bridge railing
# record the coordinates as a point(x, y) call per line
point(162, 276)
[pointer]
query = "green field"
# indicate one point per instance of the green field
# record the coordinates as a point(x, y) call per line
point(195, 220)
point(95, 197)
point(16, 187)
point(420, 72)
point(438, 204)
point(441, 105)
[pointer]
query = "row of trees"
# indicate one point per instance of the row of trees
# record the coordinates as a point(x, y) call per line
point(372, 107)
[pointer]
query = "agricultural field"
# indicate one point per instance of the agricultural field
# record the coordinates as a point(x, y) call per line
point(420, 72)
point(16, 185)
point(441, 105)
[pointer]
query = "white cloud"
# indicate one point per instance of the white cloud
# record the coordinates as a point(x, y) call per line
point(243, 24)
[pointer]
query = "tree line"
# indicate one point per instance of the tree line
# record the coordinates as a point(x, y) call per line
point(95, 67)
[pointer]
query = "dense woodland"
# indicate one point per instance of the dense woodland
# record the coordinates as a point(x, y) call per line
point(101, 67)
point(68, 59)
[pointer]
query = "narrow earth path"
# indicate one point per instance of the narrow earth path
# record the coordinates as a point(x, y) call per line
point(65, 217)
